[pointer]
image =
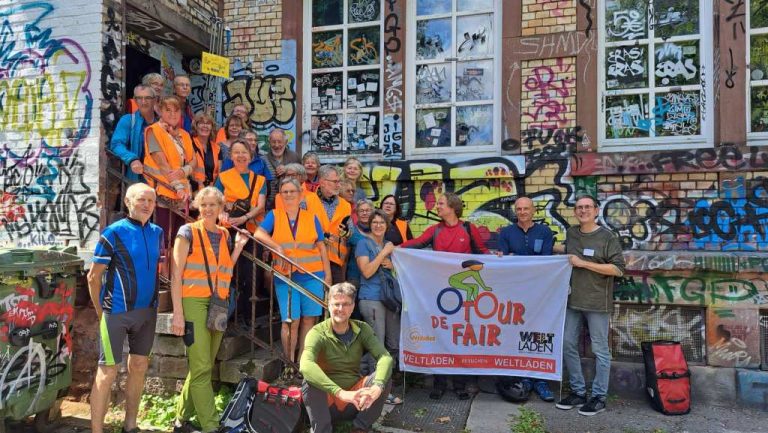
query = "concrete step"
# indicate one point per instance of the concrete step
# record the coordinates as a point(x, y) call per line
point(261, 365)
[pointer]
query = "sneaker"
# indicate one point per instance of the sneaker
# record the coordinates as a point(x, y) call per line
point(185, 427)
point(542, 389)
point(594, 406)
point(527, 384)
point(573, 400)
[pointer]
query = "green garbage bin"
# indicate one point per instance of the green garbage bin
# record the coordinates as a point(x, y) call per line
point(36, 310)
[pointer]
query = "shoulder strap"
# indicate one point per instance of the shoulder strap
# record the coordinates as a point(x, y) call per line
point(205, 259)
point(253, 184)
point(474, 248)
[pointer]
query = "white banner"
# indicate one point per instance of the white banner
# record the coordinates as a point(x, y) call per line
point(482, 314)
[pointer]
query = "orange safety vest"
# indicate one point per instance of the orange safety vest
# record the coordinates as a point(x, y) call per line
point(221, 135)
point(194, 280)
point(199, 172)
point(168, 148)
point(301, 248)
point(402, 227)
point(235, 189)
point(131, 106)
point(337, 247)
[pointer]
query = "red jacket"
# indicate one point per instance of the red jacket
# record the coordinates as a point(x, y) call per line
point(452, 239)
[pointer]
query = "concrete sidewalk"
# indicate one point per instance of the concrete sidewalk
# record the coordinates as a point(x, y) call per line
point(491, 414)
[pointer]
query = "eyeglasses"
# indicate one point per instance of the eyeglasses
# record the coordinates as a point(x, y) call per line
point(364, 210)
point(333, 181)
point(585, 207)
point(143, 98)
point(341, 304)
point(290, 191)
point(378, 223)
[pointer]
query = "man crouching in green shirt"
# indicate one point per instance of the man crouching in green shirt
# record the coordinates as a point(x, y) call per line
point(333, 389)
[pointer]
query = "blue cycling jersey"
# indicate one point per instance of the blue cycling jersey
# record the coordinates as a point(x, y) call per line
point(131, 252)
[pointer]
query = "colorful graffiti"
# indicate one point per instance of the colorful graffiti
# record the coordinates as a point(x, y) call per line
point(44, 81)
point(708, 289)
point(546, 91)
point(46, 106)
point(269, 98)
point(36, 328)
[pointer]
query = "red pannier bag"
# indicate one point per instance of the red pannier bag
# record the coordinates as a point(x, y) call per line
point(667, 377)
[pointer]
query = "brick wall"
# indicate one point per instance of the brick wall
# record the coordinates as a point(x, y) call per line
point(548, 16)
point(199, 12)
point(256, 31)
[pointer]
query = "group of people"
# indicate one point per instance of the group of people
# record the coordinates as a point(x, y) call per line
point(322, 231)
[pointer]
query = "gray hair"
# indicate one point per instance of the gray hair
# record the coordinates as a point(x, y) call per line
point(144, 87)
point(344, 289)
point(325, 170)
point(363, 201)
point(292, 181)
point(152, 76)
point(297, 168)
point(136, 189)
point(311, 155)
point(279, 131)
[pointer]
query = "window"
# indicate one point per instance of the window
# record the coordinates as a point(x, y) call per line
point(453, 75)
point(654, 77)
point(344, 71)
point(758, 65)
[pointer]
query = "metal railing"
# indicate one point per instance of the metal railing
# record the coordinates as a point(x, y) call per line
point(292, 266)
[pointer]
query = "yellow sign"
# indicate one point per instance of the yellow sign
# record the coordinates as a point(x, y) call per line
point(215, 65)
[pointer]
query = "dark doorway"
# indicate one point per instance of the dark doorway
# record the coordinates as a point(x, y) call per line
point(138, 64)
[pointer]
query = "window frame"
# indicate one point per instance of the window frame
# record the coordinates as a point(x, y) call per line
point(754, 138)
point(706, 70)
point(345, 112)
point(409, 139)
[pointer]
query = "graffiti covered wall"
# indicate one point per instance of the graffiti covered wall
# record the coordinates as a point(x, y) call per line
point(50, 61)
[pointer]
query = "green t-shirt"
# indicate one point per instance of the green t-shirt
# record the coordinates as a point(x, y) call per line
point(591, 291)
point(329, 364)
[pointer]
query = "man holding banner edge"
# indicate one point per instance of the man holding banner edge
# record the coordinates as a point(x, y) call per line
point(596, 256)
point(526, 238)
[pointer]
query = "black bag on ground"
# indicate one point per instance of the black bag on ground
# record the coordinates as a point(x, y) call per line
point(512, 389)
point(276, 409)
point(667, 377)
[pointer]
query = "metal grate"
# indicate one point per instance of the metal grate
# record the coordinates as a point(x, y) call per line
point(764, 339)
point(633, 324)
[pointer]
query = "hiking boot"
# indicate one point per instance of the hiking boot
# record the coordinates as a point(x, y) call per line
point(185, 427)
point(594, 406)
point(573, 400)
point(542, 389)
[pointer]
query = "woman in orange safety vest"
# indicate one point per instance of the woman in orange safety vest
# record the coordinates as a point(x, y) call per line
point(299, 235)
point(169, 158)
point(398, 231)
point(206, 151)
point(237, 183)
point(192, 284)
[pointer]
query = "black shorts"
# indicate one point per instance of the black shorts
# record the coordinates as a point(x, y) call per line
point(138, 325)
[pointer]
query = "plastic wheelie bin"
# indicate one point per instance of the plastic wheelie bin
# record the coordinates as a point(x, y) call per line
point(36, 310)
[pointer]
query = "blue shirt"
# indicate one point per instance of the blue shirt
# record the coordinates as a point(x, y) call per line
point(537, 241)
point(370, 288)
point(257, 165)
point(357, 235)
point(128, 141)
point(131, 252)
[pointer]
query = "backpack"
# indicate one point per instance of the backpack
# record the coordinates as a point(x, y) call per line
point(257, 407)
point(667, 377)
point(475, 249)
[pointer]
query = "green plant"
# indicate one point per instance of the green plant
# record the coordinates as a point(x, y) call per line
point(420, 412)
point(528, 421)
point(157, 410)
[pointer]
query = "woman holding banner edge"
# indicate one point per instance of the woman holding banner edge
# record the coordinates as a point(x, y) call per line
point(451, 235)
